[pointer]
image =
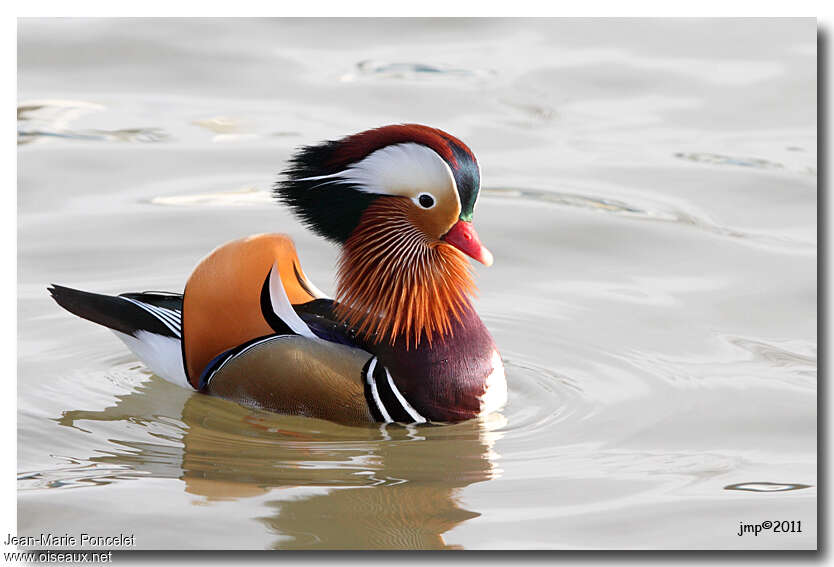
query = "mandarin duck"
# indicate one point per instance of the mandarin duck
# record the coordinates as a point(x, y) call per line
point(399, 342)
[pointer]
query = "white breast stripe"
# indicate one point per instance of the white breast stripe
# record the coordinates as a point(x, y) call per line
point(375, 393)
point(282, 307)
point(156, 315)
point(406, 406)
point(237, 354)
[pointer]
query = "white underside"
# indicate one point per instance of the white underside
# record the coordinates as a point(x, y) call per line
point(162, 355)
point(495, 394)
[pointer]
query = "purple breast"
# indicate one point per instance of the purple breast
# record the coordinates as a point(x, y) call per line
point(444, 381)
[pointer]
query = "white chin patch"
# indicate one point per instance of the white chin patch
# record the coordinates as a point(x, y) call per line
point(495, 393)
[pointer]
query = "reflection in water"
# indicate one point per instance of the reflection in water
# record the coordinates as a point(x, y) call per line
point(386, 487)
point(36, 117)
point(765, 486)
point(124, 135)
point(226, 129)
point(233, 197)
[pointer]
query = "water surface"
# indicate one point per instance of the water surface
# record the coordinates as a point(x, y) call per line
point(650, 198)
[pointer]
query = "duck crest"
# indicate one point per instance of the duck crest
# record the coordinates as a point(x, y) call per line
point(397, 285)
point(314, 187)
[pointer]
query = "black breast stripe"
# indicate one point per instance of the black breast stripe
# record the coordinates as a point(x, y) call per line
point(386, 402)
point(369, 396)
point(396, 409)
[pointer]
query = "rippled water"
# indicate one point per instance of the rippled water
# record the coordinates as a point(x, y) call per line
point(650, 198)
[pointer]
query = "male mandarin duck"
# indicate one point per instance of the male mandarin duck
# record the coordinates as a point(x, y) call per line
point(401, 341)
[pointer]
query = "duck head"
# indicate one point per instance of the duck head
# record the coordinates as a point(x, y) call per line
point(399, 200)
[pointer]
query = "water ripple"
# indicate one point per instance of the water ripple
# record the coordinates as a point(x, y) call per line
point(653, 212)
point(719, 159)
point(42, 120)
point(766, 486)
point(658, 213)
point(194, 437)
point(410, 70)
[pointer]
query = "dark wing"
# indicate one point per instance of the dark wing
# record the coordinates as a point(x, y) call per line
point(153, 312)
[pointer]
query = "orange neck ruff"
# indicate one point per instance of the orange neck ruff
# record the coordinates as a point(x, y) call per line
point(394, 281)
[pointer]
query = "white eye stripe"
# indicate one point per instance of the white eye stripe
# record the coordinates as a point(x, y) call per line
point(399, 169)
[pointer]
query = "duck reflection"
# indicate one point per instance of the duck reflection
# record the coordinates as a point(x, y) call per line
point(335, 487)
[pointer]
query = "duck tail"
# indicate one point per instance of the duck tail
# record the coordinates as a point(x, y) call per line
point(149, 323)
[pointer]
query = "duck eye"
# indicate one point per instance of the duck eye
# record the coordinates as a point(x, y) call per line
point(426, 200)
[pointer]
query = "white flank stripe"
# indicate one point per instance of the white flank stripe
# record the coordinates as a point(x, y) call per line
point(152, 312)
point(406, 406)
point(170, 313)
point(375, 392)
point(282, 307)
point(222, 364)
point(163, 313)
point(164, 316)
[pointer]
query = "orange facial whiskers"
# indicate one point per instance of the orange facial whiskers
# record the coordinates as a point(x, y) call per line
point(393, 280)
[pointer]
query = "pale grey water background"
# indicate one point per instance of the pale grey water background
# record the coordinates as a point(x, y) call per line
point(650, 198)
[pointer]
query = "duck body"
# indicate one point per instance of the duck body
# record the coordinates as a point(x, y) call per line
point(363, 382)
point(450, 379)
point(401, 342)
